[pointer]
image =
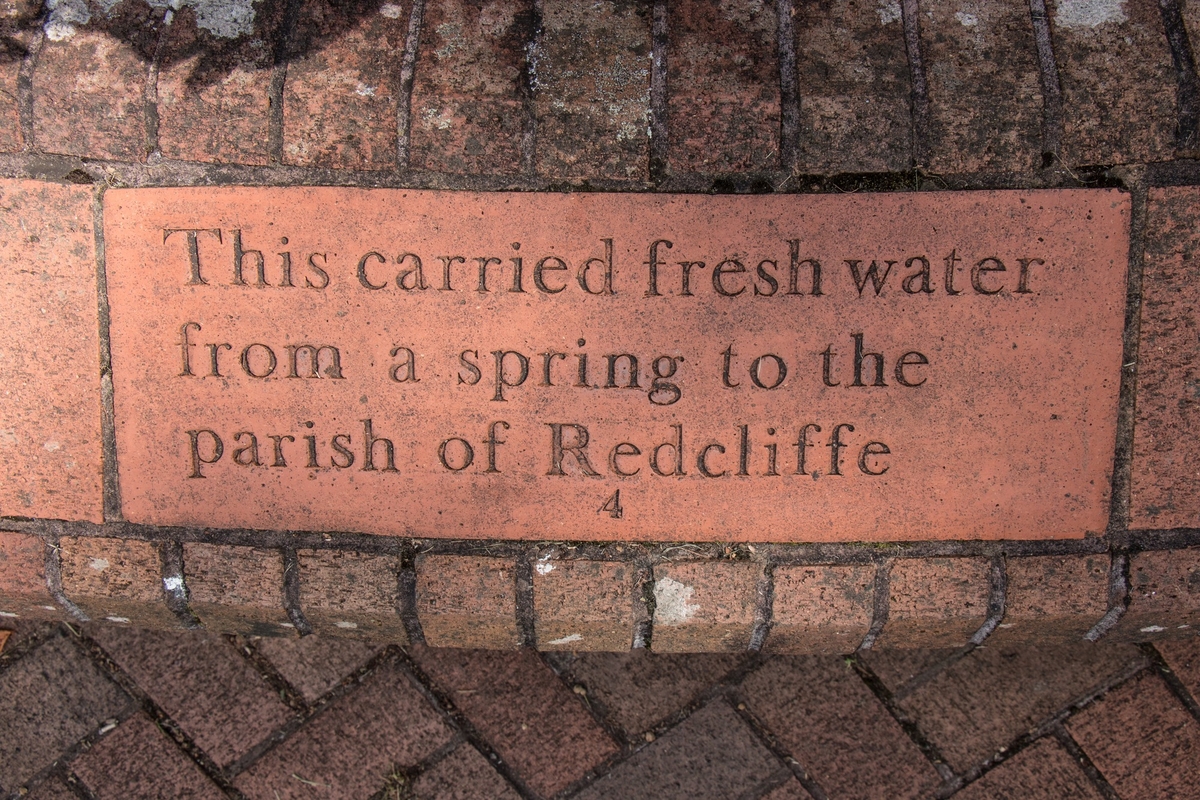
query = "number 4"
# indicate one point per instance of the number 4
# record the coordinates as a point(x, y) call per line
point(613, 506)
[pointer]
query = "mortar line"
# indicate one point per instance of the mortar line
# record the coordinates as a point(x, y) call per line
point(523, 600)
point(69, 754)
point(406, 600)
point(789, 90)
point(998, 574)
point(1052, 104)
point(1159, 663)
point(1118, 597)
point(643, 603)
point(527, 88)
point(110, 475)
point(919, 103)
point(1080, 756)
point(54, 585)
point(1187, 85)
point(25, 100)
point(881, 606)
point(282, 51)
point(659, 40)
point(598, 710)
point(150, 93)
point(764, 607)
point(174, 585)
point(291, 591)
point(292, 697)
point(408, 74)
point(768, 740)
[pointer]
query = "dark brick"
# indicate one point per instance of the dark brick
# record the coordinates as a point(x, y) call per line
point(202, 683)
point(116, 767)
point(53, 789)
point(1043, 771)
point(791, 790)
point(1053, 598)
point(23, 592)
point(352, 594)
point(462, 775)
point(1164, 596)
point(1143, 741)
point(315, 664)
point(1183, 655)
point(639, 689)
point(237, 589)
point(49, 700)
point(829, 721)
point(523, 710)
point(711, 754)
point(897, 667)
point(353, 744)
point(936, 602)
point(984, 701)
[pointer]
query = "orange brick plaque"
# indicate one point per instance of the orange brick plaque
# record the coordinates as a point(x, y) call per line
point(586, 366)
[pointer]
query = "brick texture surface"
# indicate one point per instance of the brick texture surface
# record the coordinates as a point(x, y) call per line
point(1043, 771)
point(53, 789)
point(1053, 598)
point(23, 591)
point(1164, 595)
point(15, 47)
point(1183, 657)
point(467, 601)
point(898, 667)
point(936, 602)
point(351, 594)
point(237, 589)
point(115, 580)
point(583, 605)
point(704, 607)
point(821, 609)
point(462, 775)
point(51, 399)
point(314, 665)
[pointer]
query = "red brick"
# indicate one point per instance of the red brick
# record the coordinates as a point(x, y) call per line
point(821, 609)
point(854, 87)
point(23, 592)
point(467, 115)
point(340, 98)
point(936, 602)
point(115, 580)
point(898, 667)
point(352, 594)
point(1165, 483)
point(202, 683)
point(53, 789)
point(463, 775)
point(593, 93)
point(723, 80)
point(14, 45)
point(1164, 595)
point(353, 744)
point(313, 665)
point(1143, 741)
point(704, 606)
point(583, 605)
point(827, 718)
point(1183, 656)
point(138, 760)
point(236, 589)
point(467, 601)
point(1118, 82)
point(1043, 771)
point(535, 723)
point(791, 790)
point(983, 702)
point(51, 399)
point(985, 97)
point(1053, 598)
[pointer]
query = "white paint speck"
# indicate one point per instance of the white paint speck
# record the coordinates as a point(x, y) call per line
point(63, 17)
point(51, 446)
point(1008, 624)
point(1153, 629)
point(364, 91)
point(574, 637)
point(99, 564)
point(122, 620)
point(341, 623)
point(967, 20)
point(544, 568)
point(287, 624)
point(173, 584)
point(9, 614)
point(391, 11)
point(48, 608)
point(1089, 13)
point(888, 11)
point(672, 601)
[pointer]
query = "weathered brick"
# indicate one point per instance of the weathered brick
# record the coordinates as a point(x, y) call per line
point(985, 97)
point(1157, 751)
point(1165, 491)
point(535, 723)
point(704, 606)
point(583, 605)
point(467, 111)
point(49, 700)
point(14, 44)
point(386, 722)
point(1164, 595)
point(593, 90)
point(202, 683)
point(1053, 598)
point(790, 790)
point(936, 602)
point(116, 767)
point(467, 601)
point(830, 722)
point(462, 775)
point(341, 95)
point(854, 85)
point(23, 591)
point(723, 81)
point(351, 594)
point(1118, 82)
point(313, 665)
point(710, 754)
point(118, 580)
point(897, 667)
point(1043, 771)
point(821, 609)
point(49, 337)
point(1183, 656)
point(53, 789)
point(236, 589)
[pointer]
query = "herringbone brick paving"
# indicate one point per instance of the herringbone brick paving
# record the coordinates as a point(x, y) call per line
point(108, 712)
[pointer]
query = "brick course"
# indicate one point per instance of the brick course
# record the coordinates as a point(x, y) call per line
point(237, 589)
point(351, 594)
point(467, 601)
point(583, 605)
point(23, 590)
point(936, 602)
point(115, 580)
point(704, 606)
point(821, 609)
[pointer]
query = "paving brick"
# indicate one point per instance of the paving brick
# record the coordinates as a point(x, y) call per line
point(1143, 741)
point(710, 754)
point(23, 592)
point(791, 790)
point(593, 90)
point(202, 683)
point(50, 699)
point(1165, 491)
point(315, 664)
point(984, 701)
point(53, 789)
point(1118, 82)
point(351, 747)
point(462, 775)
point(854, 86)
point(467, 601)
point(639, 689)
point(1053, 598)
point(985, 98)
point(1164, 596)
point(1043, 771)
point(50, 403)
point(236, 589)
point(821, 609)
point(829, 721)
point(897, 667)
point(116, 767)
point(534, 722)
point(341, 96)
point(723, 85)
point(467, 111)
point(936, 602)
point(583, 605)
point(1183, 656)
point(14, 44)
point(115, 580)
point(707, 606)
point(352, 594)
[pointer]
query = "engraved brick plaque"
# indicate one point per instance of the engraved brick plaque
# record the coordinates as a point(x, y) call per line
point(602, 366)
